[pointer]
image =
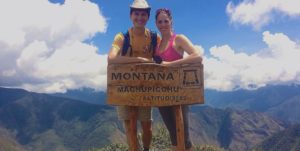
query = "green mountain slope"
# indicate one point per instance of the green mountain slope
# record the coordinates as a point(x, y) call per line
point(43, 122)
point(231, 129)
point(288, 110)
point(8, 142)
point(287, 140)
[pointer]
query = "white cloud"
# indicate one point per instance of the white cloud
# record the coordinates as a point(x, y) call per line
point(258, 13)
point(42, 49)
point(277, 64)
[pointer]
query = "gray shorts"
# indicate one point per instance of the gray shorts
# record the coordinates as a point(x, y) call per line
point(144, 113)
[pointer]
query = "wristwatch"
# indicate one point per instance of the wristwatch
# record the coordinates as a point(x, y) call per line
point(157, 59)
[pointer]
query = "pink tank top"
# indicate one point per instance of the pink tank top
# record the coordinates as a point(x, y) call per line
point(169, 54)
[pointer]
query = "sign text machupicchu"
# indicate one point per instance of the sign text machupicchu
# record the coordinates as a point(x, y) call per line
point(154, 85)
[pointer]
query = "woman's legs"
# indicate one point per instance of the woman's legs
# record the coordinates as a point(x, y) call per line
point(168, 116)
point(186, 121)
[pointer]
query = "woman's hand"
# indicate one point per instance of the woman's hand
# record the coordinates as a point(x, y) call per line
point(167, 64)
point(144, 60)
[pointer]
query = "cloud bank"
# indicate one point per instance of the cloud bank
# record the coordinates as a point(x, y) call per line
point(258, 13)
point(277, 64)
point(42, 49)
point(42, 45)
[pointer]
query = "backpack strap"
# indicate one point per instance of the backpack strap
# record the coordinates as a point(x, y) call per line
point(153, 41)
point(126, 44)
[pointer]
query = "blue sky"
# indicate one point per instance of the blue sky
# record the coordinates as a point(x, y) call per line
point(52, 46)
point(205, 22)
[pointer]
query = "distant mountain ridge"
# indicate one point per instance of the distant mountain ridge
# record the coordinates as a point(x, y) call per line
point(273, 100)
point(84, 94)
point(280, 101)
point(252, 99)
point(49, 123)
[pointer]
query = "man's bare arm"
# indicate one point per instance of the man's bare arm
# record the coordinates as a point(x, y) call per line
point(114, 58)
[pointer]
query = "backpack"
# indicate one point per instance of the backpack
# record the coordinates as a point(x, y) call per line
point(127, 45)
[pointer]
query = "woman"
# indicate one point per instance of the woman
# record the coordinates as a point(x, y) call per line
point(170, 53)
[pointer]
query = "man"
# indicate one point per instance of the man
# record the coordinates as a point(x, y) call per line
point(139, 49)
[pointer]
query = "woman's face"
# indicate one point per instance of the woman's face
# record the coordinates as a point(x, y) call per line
point(163, 22)
point(139, 18)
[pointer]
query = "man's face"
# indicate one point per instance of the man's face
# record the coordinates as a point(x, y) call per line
point(139, 18)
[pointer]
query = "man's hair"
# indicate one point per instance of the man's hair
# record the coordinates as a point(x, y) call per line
point(137, 9)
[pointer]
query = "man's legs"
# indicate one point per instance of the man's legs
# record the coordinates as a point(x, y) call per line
point(129, 116)
point(145, 116)
point(147, 134)
point(131, 134)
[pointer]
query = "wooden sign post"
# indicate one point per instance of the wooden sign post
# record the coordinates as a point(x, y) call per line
point(156, 85)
